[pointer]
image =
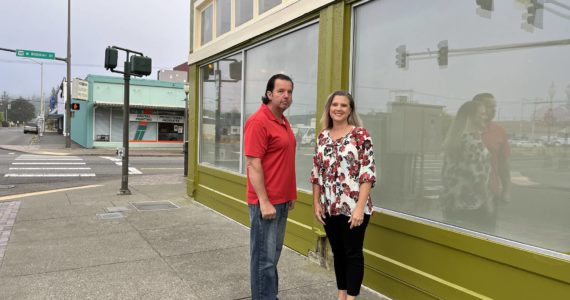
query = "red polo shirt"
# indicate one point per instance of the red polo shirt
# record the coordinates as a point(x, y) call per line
point(496, 140)
point(273, 141)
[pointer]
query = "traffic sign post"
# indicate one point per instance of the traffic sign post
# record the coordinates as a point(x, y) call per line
point(35, 54)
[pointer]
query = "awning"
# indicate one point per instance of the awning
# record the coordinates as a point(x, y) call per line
point(134, 105)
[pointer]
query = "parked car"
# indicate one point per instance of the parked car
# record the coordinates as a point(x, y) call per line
point(31, 127)
point(528, 144)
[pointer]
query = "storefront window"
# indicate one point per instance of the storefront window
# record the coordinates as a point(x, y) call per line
point(223, 17)
point(265, 5)
point(281, 56)
point(117, 124)
point(244, 11)
point(452, 166)
point(102, 124)
point(145, 124)
point(220, 121)
point(207, 15)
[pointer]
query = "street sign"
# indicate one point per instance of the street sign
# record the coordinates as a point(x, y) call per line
point(35, 54)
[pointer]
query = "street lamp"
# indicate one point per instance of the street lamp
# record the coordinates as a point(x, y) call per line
point(186, 91)
point(42, 105)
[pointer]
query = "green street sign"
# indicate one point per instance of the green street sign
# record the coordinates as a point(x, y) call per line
point(35, 54)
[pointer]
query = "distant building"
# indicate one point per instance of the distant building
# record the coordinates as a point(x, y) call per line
point(172, 76)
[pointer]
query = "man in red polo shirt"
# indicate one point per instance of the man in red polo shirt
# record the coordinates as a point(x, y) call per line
point(269, 146)
point(496, 140)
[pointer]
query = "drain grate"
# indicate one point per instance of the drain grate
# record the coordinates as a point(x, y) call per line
point(110, 216)
point(117, 209)
point(154, 205)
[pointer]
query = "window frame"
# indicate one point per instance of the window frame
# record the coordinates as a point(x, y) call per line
point(243, 51)
point(425, 221)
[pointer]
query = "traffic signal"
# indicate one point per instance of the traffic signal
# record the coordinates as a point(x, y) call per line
point(141, 65)
point(485, 4)
point(74, 106)
point(235, 70)
point(442, 53)
point(111, 58)
point(401, 57)
point(534, 13)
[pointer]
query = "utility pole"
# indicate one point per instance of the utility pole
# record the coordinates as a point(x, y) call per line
point(68, 98)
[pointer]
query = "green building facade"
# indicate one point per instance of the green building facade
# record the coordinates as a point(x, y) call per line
point(410, 65)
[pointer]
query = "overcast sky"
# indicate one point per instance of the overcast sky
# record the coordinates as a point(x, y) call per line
point(159, 29)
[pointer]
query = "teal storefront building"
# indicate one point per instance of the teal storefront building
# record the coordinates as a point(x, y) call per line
point(156, 114)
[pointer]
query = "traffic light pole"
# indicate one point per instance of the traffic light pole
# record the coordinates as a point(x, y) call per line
point(136, 66)
point(126, 110)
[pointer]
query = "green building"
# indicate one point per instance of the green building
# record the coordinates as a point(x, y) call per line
point(410, 65)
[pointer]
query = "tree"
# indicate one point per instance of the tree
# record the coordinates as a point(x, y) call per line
point(21, 110)
point(4, 100)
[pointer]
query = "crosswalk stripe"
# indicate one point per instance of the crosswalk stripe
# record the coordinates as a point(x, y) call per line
point(49, 163)
point(49, 159)
point(119, 162)
point(31, 163)
point(50, 168)
point(50, 175)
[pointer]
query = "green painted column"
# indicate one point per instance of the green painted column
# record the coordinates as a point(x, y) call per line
point(193, 108)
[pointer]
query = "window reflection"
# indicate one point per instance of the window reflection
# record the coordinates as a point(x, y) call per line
point(223, 17)
point(244, 11)
point(280, 56)
point(206, 18)
point(265, 5)
point(410, 99)
point(220, 126)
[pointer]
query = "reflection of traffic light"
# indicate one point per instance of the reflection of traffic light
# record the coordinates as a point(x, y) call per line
point(534, 13)
point(485, 4)
point(401, 57)
point(442, 53)
point(74, 106)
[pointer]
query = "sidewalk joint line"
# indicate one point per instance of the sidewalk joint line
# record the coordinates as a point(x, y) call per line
point(11, 197)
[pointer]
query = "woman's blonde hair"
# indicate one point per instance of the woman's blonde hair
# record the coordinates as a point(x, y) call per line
point(461, 124)
point(353, 118)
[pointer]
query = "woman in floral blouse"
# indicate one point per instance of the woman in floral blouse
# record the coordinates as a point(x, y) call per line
point(343, 174)
point(466, 168)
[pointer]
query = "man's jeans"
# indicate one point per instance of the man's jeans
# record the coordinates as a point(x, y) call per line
point(266, 242)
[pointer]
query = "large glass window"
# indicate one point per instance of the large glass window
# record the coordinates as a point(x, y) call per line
point(220, 128)
point(281, 56)
point(265, 5)
point(102, 124)
point(223, 16)
point(450, 165)
point(244, 11)
point(207, 20)
point(117, 124)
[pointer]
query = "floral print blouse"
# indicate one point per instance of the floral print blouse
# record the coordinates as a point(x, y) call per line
point(465, 175)
point(339, 167)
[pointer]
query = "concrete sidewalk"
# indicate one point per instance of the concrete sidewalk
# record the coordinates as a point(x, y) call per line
point(52, 143)
point(58, 246)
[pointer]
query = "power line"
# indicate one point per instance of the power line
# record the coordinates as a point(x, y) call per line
point(13, 61)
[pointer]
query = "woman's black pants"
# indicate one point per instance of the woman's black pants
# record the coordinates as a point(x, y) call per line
point(347, 247)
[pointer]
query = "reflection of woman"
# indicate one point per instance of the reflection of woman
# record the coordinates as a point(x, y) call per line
point(466, 197)
point(342, 176)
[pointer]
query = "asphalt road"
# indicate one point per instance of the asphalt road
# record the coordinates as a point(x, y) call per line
point(25, 173)
point(14, 136)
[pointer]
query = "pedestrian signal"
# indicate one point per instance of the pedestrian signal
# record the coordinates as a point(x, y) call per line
point(74, 106)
